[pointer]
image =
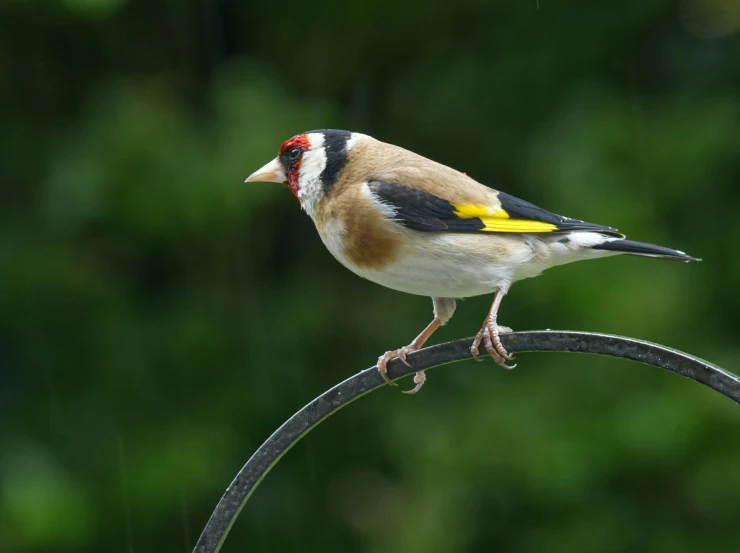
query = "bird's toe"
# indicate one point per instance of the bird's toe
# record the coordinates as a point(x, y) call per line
point(419, 378)
point(383, 366)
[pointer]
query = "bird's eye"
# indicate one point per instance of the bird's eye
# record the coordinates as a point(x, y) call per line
point(294, 153)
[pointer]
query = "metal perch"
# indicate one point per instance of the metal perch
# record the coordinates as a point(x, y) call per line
point(329, 402)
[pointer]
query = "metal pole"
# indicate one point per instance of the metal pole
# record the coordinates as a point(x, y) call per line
point(331, 401)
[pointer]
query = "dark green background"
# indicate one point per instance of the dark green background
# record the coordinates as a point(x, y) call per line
point(159, 318)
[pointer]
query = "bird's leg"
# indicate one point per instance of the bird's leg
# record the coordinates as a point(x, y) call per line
point(489, 334)
point(401, 354)
point(443, 310)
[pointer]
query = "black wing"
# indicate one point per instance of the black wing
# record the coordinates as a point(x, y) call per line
point(423, 211)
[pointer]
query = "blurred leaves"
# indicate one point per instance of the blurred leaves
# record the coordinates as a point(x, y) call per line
point(43, 508)
point(159, 318)
point(94, 7)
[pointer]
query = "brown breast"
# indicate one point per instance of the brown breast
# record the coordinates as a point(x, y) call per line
point(368, 240)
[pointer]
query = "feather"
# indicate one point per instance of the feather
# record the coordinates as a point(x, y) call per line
point(423, 211)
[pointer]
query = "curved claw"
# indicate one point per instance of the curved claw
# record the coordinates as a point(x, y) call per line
point(402, 356)
point(506, 355)
point(388, 356)
point(383, 367)
point(489, 335)
point(501, 363)
point(500, 348)
point(419, 380)
point(387, 380)
point(499, 360)
point(474, 350)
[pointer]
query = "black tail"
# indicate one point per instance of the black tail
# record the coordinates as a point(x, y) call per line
point(641, 248)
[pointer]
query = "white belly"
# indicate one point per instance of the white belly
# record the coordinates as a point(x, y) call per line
point(437, 278)
point(448, 265)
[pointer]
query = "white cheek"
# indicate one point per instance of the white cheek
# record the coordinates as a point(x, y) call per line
point(309, 180)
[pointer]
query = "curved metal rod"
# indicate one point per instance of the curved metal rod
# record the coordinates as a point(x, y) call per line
point(331, 401)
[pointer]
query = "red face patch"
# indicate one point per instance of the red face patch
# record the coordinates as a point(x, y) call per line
point(294, 167)
point(300, 140)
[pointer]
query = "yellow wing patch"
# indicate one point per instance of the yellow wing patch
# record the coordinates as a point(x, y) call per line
point(498, 220)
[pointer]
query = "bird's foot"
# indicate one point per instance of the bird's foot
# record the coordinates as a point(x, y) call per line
point(489, 335)
point(384, 359)
point(419, 378)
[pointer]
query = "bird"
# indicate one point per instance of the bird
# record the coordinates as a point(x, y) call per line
point(411, 224)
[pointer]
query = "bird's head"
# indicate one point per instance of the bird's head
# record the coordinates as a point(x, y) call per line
point(310, 163)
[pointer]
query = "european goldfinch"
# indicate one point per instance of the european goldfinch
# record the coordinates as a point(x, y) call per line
point(414, 225)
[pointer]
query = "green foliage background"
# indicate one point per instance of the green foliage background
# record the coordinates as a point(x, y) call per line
point(159, 318)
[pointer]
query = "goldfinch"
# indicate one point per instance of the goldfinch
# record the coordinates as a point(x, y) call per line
point(408, 223)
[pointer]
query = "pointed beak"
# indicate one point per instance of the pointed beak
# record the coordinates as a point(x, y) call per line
point(272, 172)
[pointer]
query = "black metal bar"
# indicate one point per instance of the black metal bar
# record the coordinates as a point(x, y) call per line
point(329, 402)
